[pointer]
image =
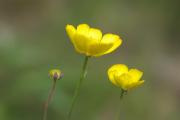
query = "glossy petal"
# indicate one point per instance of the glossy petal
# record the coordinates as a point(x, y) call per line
point(94, 36)
point(123, 80)
point(81, 37)
point(116, 70)
point(71, 32)
point(97, 49)
point(136, 74)
point(135, 84)
point(111, 39)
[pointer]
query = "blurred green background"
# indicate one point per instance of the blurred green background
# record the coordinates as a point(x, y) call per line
point(33, 41)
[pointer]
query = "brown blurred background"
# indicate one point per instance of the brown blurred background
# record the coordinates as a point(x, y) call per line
point(33, 40)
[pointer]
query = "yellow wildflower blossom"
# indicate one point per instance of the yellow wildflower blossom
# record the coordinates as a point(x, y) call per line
point(91, 42)
point(120, 76)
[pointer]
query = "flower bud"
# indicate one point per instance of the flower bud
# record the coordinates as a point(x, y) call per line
point(55, 74)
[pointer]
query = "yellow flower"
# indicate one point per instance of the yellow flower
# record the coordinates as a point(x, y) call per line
point(55, 74)
point(120, 76)
point(91, 42)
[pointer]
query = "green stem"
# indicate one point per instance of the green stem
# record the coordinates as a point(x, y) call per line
point(77, 89)
point(50, 96)
point(121, 97)
point(122, 94)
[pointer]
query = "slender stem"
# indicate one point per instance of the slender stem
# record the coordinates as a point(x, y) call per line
point(122, 94)
point(77, 89)
point(50, 96)
point(121, 97)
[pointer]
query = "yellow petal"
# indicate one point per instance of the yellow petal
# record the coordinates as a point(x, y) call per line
point(136, 74)
point(123, 80)
point(120, 68)
point(111, 76)
point(111, 39)
point(135, 84)
point(81, 38)
point(71, 32)
point(116, 70)
point(96, 49)
point(95, 36)
point(83, 29)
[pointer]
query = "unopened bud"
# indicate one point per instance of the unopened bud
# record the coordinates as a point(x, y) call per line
point(55, 74)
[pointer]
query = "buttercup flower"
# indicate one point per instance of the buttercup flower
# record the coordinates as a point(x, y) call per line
point(55, 74)
point(91, 42)
point(120, 76)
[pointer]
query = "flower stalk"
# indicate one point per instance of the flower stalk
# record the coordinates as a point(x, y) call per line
point(50, 96)
point(78, 86)
point(121, 97)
